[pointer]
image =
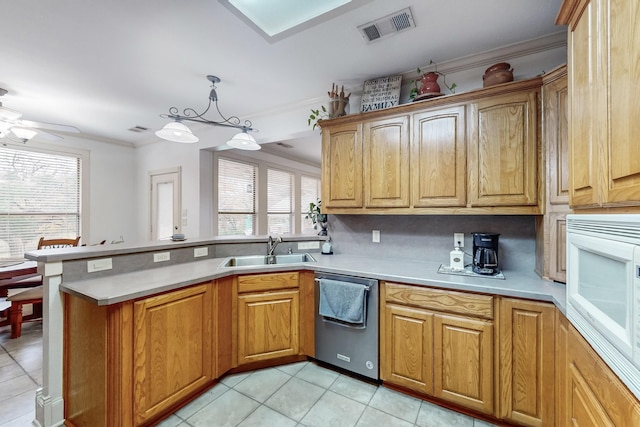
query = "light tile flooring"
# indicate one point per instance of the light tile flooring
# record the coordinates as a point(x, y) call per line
point(299, 394)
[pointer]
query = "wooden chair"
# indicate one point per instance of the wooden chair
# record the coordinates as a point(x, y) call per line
point(34, 294)
point(57, 243)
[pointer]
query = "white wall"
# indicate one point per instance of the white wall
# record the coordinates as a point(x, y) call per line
point(196, 163)
point(528, 60)
point(111, 193)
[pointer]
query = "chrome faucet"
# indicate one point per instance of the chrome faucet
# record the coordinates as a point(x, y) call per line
point(271, 247)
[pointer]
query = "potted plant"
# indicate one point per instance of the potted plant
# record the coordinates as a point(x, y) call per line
point(317, 217)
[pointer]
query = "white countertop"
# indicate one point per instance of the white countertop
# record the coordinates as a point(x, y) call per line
point(127, 286)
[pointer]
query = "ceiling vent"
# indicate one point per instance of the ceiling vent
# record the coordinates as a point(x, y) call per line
point(388, 25)
point(138, 129)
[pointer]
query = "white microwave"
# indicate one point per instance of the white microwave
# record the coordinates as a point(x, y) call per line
point(603, 288)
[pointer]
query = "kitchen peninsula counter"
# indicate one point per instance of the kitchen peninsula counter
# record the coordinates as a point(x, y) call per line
point(132, 285)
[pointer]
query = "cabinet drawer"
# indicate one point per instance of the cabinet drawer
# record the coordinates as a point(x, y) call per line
point(267, 282)
point(440, 300)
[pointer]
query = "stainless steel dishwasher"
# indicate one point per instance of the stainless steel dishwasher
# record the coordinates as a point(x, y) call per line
point(353, 347)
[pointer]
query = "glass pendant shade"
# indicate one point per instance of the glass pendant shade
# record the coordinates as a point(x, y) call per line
point(243, 141)
point(177, 132)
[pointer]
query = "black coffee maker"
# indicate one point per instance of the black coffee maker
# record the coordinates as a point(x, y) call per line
point(485, 253)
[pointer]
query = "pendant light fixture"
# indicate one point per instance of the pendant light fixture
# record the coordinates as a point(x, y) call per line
point(177, 131)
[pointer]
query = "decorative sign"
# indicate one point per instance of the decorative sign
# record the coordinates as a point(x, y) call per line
point(381, 93)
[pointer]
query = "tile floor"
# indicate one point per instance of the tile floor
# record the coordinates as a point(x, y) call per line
point(299, 394)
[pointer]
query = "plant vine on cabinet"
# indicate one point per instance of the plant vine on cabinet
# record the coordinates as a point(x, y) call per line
point(470, 153)
point(604, 44)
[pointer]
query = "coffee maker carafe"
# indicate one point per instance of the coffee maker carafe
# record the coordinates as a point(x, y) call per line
point(485, 253)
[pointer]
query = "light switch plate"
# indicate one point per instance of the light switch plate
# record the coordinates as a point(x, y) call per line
point(161, 256)
point(101, 264)
point(375, 236)
point(308, 245)
point(198, 252)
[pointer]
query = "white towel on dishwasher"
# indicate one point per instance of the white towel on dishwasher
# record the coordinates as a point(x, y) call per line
point(343, 301)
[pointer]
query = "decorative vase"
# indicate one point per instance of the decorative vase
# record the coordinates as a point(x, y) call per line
point(497, 73)
point(323, 220)
point(429, 83)
point(338, 106)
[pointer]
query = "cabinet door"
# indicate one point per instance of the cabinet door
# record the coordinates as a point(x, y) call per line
point(584, 408)
point(583, 152)
point(386, 162)
point(172, 354)
point(526, 364)
point(558, 247)
point(463, 362)
point(503, 153)
point(406, 348)
point(556, 139)
point(342, 166)
point(622, 74)
point(268, 325)
point(438, 158)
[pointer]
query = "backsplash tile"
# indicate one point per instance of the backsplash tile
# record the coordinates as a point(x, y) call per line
point(430, 237)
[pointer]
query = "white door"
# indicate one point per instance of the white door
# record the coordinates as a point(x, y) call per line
point(165, 203)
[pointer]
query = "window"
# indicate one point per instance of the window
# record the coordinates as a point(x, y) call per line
point(40, 198)
point(254, 197)
point(236, 198)
point(279, 201)
point(309, 193)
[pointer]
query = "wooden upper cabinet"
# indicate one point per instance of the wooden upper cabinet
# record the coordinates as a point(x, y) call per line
point(623, 180)
point(604, 44)
point(342, 166)
point(438, 158)
point(468, 153)
point(386, 162)
point(555, 95)
point(583, 153)
point(503, 150)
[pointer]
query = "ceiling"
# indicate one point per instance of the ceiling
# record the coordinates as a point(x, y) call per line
point(105, 67)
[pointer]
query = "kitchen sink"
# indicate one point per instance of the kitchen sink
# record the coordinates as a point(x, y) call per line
point(251, 260)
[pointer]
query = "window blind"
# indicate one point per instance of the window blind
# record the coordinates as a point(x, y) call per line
point(236, 197)
point(40, 197)
point(309, 192)
point(279, 201)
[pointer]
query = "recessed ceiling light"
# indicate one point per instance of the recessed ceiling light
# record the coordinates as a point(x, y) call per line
point(277, 19)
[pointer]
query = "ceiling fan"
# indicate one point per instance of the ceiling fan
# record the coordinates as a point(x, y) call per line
point(14, 128)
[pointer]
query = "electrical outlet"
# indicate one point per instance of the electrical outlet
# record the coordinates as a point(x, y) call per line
point(198, 252)
point(161, 256)
point(99, 265)
point(375, 236)
point(458, 239)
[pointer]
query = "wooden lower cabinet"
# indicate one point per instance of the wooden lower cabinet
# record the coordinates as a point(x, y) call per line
point(172, 349)
point(272, 316)
point(129, 364)
point(405, 347)
point(463, 361)
point(448, 355)
point(592, 395)
point(267, 325)
point(526, 376)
